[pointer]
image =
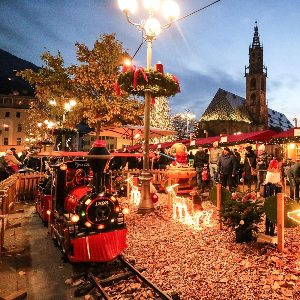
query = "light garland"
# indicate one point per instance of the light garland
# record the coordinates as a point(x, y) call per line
point(134, 81)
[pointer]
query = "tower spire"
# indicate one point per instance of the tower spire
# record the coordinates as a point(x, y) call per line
point(256, 42)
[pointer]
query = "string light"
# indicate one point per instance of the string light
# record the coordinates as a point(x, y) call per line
point(296, 213)
point(201, 217)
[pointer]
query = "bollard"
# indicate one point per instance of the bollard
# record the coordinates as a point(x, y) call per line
point(128, 187)
point(219, 203)
point(169, 195)
point(280, 222)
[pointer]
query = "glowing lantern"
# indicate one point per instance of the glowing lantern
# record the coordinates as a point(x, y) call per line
point(63, 167)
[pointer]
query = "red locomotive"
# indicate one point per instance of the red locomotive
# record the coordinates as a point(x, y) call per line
point(84, 217)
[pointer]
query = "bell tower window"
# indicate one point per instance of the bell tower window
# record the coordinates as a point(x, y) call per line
point(253, 83)
point(252, 99)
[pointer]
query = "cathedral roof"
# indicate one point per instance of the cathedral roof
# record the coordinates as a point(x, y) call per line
point(277, 119)
point(226, 106)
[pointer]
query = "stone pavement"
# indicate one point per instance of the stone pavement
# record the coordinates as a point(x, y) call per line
point(31, 262)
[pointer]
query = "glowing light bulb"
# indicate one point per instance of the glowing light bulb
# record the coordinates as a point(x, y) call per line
point(152, 26)
point(170, 10)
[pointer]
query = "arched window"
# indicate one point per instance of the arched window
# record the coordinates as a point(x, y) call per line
point(252, 99)
point(253, 83)
point(263, 86)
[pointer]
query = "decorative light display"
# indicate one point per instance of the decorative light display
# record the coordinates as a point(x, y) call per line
point(135, 195)
point(179, 204)
point(160, 118)
point(294, 215)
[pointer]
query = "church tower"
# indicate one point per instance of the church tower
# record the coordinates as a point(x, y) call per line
point(256, 74)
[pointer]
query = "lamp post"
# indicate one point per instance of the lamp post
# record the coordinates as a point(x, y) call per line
point(188, 117)
point(151, 28)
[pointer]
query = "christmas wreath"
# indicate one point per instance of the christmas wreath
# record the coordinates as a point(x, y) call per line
point(135, 80)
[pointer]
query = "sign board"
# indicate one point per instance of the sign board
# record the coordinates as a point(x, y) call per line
point(193, 143)
point(223, 139)
point(296, 132)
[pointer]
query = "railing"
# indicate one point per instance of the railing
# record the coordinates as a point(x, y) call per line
point(15, 188)
point(157, 175)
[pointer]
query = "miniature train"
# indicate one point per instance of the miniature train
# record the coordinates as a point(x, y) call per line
point(84, 216)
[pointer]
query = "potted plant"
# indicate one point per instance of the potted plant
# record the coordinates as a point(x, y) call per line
point(242, 214)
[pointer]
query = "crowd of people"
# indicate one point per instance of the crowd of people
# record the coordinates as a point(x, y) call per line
point(11, 163)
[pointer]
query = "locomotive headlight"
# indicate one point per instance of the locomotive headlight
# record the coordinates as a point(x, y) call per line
point(112, 220)
point(101, 226)
point(117, 209)
point(75, 218)
point(63, 167)
point(126, 211)
point(113, 198)
point(88, 224)
point(88, 201)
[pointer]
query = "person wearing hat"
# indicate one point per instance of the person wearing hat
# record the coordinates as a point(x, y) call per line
point(226, 168)
point(249, 162)
point(215, 153)
point(11, 161)
point(14, 153)
point(261, 167)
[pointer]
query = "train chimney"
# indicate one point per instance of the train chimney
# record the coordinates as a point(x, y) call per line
point(97, 158)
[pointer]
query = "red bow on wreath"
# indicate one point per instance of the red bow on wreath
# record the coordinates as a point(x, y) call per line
point(117, 89)
point(136, 73)
point(176, 80)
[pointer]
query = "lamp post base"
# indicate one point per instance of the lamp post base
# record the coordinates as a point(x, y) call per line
point(146, 204)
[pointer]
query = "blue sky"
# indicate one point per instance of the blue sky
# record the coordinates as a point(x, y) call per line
point(206, 51)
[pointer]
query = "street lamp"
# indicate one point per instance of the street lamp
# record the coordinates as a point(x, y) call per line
point(188, 117)
point(151, 28)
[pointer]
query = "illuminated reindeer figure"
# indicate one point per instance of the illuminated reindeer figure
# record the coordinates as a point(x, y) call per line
point(204, 216)
point(135, 195)
point(178, 202)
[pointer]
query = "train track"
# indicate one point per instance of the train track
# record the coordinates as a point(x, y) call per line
point(123, 270)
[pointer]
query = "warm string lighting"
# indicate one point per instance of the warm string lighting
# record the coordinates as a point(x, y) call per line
point(179, 204)
point(135, 195)
point(293, 214)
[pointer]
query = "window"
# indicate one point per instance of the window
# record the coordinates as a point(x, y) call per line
point(7, 114)
point(5, 141)
point(8, 100)
point(253, 83)
point(19, 127)
point(19, 141)
point(252, 99)
point(18, 114)
point(6, 127)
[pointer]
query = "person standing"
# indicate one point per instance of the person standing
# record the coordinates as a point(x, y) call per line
point(250, 162)
point(237, 156)
point(261, 167)
point(294, 178)
point(215, 152)
point(226, 168)
point(200, 159)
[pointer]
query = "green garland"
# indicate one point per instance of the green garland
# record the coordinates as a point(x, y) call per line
point(286, 140)
point(64, 131)
point(161, 85)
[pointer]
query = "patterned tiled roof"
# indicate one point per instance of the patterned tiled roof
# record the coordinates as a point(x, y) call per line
point(277, 119)
point(227, 107)
point(230, 107)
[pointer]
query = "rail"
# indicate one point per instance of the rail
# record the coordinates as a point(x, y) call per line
point(14, 189)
